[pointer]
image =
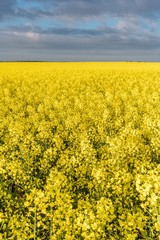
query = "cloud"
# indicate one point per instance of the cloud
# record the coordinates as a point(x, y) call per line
point(81, 29)
point(123, 36)
point(61, 47)
point(80, 9)
point(93, 8)
point(7, 8)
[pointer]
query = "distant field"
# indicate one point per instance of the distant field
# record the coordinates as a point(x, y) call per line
point(80, 151)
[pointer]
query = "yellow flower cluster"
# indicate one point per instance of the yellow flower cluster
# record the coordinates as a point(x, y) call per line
point(80, 151)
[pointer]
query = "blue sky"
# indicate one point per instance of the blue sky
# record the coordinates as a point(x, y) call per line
point(80, 30)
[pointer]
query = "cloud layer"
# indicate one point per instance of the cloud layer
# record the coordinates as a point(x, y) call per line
point(82, 30)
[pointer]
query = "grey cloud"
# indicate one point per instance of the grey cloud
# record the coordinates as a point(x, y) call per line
point(81, 9)
point(64, 31)
point(125, 39)
point(59, 47)
point(93, 8)
point(7, 8)
point(32, 13)
point(72, 32)
point(82, 39)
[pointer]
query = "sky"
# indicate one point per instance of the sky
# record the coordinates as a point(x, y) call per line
point(79, 30)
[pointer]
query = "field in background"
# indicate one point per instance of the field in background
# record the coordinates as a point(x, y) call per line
point(79, 151)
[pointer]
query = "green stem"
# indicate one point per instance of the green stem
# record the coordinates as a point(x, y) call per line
point(35, 224)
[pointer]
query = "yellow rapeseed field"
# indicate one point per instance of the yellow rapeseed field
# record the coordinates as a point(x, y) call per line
point(79, 151)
